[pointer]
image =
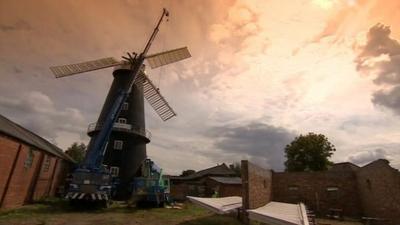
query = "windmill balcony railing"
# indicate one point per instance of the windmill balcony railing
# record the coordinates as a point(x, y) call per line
point(134, 128)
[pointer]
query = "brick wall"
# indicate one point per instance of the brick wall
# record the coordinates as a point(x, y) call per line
point(8, 152)
point(45, 178)
point(231, 190)
point(320, 191)
point(21, 181)
point(256, 184)
point(29, 180)
point(178, 190)
point(62, 169)
point(224, 190)
point(379, 188)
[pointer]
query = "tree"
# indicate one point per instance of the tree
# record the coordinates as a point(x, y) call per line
point(236, 167)
point(187, 173)
point(77, 151)
point(309, 152)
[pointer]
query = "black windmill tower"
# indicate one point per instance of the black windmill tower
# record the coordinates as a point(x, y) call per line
point(126, 147)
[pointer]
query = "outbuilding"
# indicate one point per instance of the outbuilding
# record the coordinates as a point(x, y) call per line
point(31, 168)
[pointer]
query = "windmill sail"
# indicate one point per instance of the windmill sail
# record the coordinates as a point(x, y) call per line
point(71, 69)
point(164, 58)
point(155, 99)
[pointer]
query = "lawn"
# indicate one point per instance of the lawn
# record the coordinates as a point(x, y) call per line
point(56, 212)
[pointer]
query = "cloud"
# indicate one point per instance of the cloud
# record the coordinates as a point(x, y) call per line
point(380, 57)
point(389, 99)
point(256, 141)
point(364, 157)
point(38, 113)
point(19, 25)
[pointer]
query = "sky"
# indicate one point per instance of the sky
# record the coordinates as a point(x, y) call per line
point(261, 73)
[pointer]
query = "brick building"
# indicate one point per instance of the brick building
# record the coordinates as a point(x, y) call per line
point(204, 183)
point(379, 190)
point(371, 191)
point(30, 167)
point(225, 186)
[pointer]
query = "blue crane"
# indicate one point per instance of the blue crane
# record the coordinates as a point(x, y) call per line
point(91, 181)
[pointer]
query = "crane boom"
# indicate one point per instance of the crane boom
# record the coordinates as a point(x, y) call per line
point(91, 180)
point(94, 156)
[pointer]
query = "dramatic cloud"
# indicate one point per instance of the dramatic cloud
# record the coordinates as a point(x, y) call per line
point(380, 57)
point(242, 74)
point(364, 157)
point(37, 112)
point(258, 142)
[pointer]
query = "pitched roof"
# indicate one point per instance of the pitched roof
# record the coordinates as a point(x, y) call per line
point(16, 131)
point(377, 161)
point(227, 180)
point(344, 166)
point(219, 170)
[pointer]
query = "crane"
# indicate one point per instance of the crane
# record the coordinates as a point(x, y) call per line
point(91, 181)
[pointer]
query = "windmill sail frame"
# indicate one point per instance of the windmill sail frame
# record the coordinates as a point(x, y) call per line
point(167, 57)
point(72, 69)
point(154, 98)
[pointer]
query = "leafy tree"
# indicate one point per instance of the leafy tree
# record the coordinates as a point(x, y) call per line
point(187, 173)
point(77, 151)
point(309, 152)
point(236, 167)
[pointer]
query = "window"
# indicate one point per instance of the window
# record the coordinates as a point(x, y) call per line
point(125, 106)
point(118, 144)
point(332, 192)
point(293, 188)
point(46, 163)
point(114, 171)
point(121, 120)
point(29, 159)
point(332, 189)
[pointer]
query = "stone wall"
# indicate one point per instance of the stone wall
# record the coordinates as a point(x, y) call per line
point(320, 191)
point(379, 189)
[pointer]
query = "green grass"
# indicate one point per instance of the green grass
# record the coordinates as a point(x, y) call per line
point(55, 211)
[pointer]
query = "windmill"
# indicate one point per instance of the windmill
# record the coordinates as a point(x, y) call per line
point(119, 138)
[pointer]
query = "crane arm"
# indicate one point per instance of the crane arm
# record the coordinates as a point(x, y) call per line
point(95, 154)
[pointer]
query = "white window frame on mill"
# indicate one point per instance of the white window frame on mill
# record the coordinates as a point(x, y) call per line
point(118, 144)
point(122, 120)
point(125, 106)
point(114, 171)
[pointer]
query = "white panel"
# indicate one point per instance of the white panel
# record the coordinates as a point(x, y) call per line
point(222, 205)
point(154, 98)
point(67, 70)
point(168, 57)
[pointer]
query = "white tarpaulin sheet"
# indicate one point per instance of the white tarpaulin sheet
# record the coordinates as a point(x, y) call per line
point(278, 213)
point(218, 205)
